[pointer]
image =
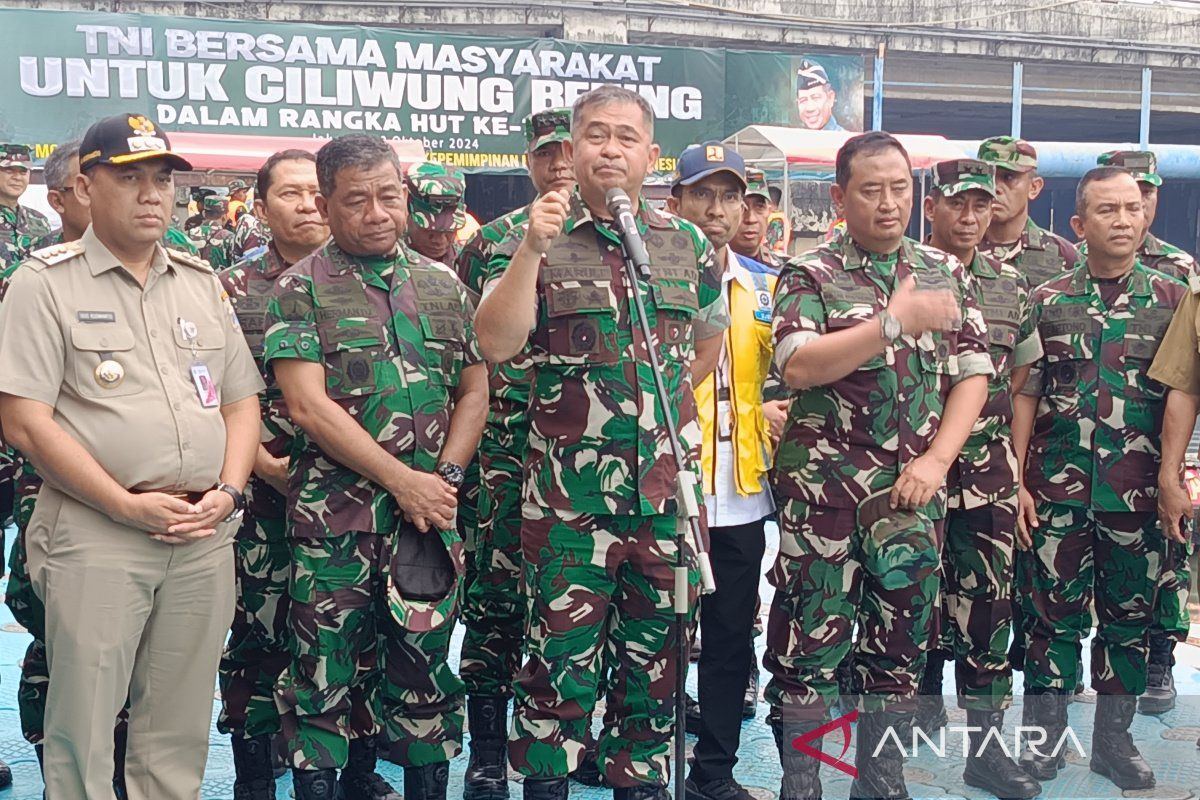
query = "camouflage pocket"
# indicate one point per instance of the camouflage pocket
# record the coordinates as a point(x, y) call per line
point(938, 353)
point(350, 366)
point(444, 342)
point(581, 324)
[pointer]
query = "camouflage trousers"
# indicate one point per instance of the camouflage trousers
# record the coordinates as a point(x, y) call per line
point(1082, 557)
point(600, 588)
point(1171, 618)
point(28, 610)
point(257, 650)
point(354, 672)
point(977, 578)
point(468, 517)
point(494, 605)
point(838, 567)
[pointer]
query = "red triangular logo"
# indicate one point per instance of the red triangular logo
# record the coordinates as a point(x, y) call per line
point(842, 723)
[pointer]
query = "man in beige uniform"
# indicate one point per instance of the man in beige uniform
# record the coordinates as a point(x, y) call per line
point(126, 381)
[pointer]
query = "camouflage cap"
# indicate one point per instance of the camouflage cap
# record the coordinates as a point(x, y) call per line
point(417, 561)
point(963, 174)
point(1008, 152)
point(237, 185)
point(215, 202)
point(811, 74)
point(16, 155)
point(547, 127)
point(1141, 164)
point(756, 184)
point(435, 196)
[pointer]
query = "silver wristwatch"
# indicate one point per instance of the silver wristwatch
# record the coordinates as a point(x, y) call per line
point(889, 326)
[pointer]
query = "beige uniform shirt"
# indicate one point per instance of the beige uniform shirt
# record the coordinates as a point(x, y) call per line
point(70, 308)
point(1177, 363)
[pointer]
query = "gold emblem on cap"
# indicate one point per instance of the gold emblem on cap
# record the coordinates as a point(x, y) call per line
point(714, 153)
point(141, 125)
point(109, 374)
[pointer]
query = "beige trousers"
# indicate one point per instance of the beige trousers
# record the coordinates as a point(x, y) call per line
point(126, 615)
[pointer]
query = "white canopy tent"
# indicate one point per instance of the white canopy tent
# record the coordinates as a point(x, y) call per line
point(773, 147)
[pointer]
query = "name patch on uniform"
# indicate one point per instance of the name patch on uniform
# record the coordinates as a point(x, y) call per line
point(92, 317)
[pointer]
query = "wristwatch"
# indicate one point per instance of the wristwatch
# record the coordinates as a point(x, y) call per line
point(451, 473)
point(239, 502)
point(889, 326)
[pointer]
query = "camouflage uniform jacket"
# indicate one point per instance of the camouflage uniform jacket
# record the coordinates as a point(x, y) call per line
point(596, 443)
point(20, 228)
point(394, 334)
point(250, 285)
point(1039, 254)
point(212, 242)
point(986, 469)
point(1096, 436)
point(848, 440)
point(507, 424)
point(249, 234)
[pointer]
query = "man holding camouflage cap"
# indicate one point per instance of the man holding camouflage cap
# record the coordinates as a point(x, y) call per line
point(494, 605)
point(435, 209)
point(1013, 237)
point(20, 226)
point(981, 521)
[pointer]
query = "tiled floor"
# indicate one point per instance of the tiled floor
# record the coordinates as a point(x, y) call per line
point(1168, 742)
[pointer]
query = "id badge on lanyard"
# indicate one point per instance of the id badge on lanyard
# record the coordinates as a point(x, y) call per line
point(206, 388)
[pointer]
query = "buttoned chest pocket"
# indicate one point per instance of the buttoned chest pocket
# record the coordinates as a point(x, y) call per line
point(1143, 335)
point(350, 350)
point(104, 361)
point(581, 324)
point(1068, 332)
point(252, 319)
point(677, 307)
point(444, 344)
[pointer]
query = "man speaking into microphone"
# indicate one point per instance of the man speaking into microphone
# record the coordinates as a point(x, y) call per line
point(599, 507)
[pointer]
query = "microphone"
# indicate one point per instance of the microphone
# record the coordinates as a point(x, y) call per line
point(621, 208)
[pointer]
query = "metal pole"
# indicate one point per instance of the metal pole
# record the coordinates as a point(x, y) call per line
point(921, 203)
point(877, 100)
point(688, 513)
point(1018, 88)
point(1144, 127)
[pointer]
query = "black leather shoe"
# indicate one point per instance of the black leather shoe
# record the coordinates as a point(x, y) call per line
point(646, 791)
point(486, 777)
point(544, 789)
point(720, 789)
point(1160, 683)
point(5, 776)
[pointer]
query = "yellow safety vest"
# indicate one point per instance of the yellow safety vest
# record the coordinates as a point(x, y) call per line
point(748, 348)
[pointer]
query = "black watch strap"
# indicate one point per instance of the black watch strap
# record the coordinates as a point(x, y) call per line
point(239, 499)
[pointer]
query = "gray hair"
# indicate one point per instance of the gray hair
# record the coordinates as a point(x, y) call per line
point(607, 95)
point(57, 170)
point(356, 150)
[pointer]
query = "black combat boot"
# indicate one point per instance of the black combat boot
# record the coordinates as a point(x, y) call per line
point(254, 774)
point(693, 723)
point(801, 772)
point(1045, 709)
point(1160, 683)
point(646, 791)
point(427, 782)
point(931, 705)
point(5, 776)
point(1114, 754)
point(487, 770)
point(878, 757)
point(315, 784)
point(544, 789)
point(988, 766)
point(359, 780)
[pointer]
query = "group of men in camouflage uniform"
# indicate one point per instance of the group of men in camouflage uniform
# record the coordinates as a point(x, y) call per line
point(978, 425)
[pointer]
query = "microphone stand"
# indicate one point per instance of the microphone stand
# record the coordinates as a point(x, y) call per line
point(687, 524)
